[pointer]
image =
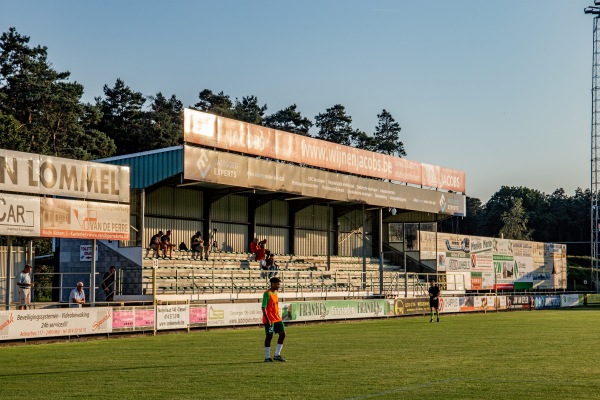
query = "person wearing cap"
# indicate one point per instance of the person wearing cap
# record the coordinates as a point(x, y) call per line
point(165, 244)
point(197, 245)
point(434, 300)
point(272, 321)
point(77, 296)
point(24, 284)
point(155, 244)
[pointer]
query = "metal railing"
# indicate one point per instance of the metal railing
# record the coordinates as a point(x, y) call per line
point(197, 280)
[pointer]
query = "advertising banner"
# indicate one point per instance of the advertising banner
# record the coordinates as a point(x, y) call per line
point(571, 300)
point(231, 169)
point(504, 268)
point(518, 302)
point(19, 215)
point(428, 243)
point(198, 315)
point(172, 316)
point(45, 175)
point(133, 319)
point(337, 309)
point(29, 324)
point(547, 301)
point(224, 133)
point(489, 302)
point(414, 306)
point(123, 319)
point(84, 219)
point(592, 299)
point(466, 304)
point(449, 304)
point(234, 314)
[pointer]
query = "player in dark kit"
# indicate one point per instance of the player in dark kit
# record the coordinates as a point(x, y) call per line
point(434, 300)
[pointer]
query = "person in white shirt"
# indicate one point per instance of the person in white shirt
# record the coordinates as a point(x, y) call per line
point(77, 296)
point(24, 284)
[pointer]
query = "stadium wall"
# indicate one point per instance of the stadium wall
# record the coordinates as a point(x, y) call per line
point(63, 322)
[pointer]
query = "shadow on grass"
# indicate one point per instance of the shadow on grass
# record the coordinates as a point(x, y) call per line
point(113, 369)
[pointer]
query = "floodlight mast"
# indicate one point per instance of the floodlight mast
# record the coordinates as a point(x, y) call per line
point(595, 146)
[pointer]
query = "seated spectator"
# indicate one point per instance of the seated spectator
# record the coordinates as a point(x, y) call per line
point(197, 245)
point(165, 244)
point(271, 265)
point(155, 244)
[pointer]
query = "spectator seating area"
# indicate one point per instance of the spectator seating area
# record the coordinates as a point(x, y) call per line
point(239, 273)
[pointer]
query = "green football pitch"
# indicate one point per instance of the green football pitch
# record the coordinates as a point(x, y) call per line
point(510, 355)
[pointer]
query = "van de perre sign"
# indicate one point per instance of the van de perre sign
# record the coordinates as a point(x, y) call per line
point(32, 173)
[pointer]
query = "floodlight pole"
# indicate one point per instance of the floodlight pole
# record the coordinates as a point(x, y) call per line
point(595, 146)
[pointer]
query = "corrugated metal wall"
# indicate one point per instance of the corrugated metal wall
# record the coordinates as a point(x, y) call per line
point(179, 210)
point(311, 243)
point(230, 217)
point(231, 237)
point(313, 217)
point(274, 213)
point(176, 203)
point(272, 223)
point(350, 238)
point(310, 236)
point(231, 208)
point(277, 238)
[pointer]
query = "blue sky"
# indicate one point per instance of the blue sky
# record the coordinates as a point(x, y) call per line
point(499, 89)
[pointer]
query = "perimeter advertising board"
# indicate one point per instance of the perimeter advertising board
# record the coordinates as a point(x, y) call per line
point(30, 324)
point(175, 316)
point(234, 314)
point(133, 319)
point(223, 133)
point(337, 309)
point(411, 306)
point(231, 169)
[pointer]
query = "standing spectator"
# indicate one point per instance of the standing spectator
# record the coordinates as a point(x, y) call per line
point(254, 245)
point(261, 254)
point(108, 283)
point(272, 321)
point(24, 284)
point(165, 244)
point(155, 244)
point(434, 300)
point(77, 296)
point(197, 244)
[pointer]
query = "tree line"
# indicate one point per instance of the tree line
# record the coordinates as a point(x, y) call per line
point(41, 111)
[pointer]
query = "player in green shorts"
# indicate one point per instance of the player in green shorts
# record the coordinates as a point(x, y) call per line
point(273, 322)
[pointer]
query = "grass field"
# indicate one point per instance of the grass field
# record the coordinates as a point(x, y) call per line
point(511, 355)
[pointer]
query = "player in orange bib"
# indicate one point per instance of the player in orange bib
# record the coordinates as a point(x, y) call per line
point(273, 322)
